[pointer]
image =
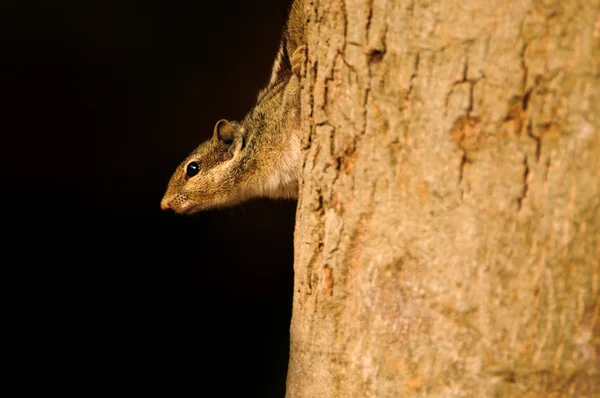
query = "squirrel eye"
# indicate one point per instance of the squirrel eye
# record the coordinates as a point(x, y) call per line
point(192, 169)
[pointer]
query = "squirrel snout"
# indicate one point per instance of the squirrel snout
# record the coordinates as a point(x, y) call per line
point(178, 204)
point(165, 203)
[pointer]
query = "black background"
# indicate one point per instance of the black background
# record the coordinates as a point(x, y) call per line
point(107, 97)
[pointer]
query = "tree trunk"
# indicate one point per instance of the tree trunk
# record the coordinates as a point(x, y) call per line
point(447, 237)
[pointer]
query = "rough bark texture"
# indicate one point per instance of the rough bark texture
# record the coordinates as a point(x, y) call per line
point(447, 237)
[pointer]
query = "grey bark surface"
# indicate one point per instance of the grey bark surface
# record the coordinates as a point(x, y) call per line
point(447, 237)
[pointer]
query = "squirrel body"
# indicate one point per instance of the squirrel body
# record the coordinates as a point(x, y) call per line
point(258, 156)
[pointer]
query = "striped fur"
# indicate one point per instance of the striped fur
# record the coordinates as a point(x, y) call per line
point(263, 159)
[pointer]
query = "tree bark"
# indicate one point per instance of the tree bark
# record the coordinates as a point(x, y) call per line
point(447, 234)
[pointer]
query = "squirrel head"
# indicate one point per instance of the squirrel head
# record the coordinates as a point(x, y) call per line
point(207, 178)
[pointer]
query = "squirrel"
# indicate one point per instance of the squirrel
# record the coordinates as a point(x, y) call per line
point(258, 156)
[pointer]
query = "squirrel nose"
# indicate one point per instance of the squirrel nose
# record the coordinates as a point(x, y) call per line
point(164, 203)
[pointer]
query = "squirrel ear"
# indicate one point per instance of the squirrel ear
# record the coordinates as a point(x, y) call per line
point(224, 132)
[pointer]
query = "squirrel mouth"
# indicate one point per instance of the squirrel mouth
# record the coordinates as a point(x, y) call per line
point(190, 209)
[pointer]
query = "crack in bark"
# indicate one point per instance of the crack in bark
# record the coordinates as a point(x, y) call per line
point(471, 82)
point(525, 102)
point(376, 52)
point(369, 16)
point(461, 131)
point(464, 123)
point(461, 167)
point(413, 76)
point(548, 165)
point(345, 18)
point(350, 66)
point(538, 140)
point(525, 184)
point(318, 251)
point(524, 67)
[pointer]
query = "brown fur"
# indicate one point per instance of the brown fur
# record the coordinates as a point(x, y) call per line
point(259, 156)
